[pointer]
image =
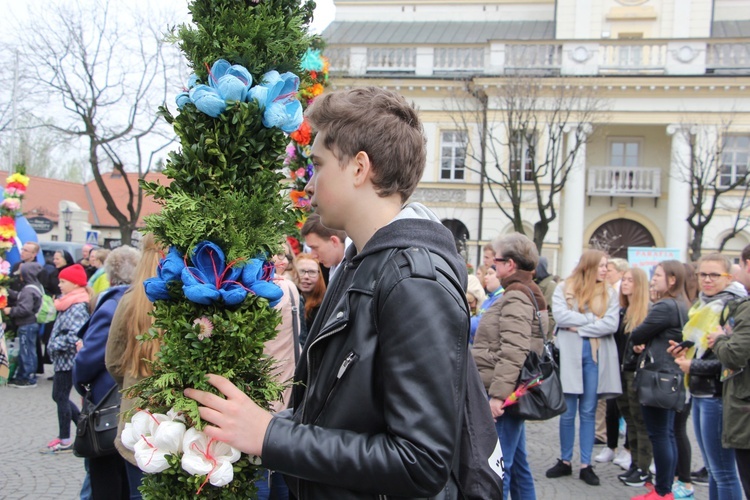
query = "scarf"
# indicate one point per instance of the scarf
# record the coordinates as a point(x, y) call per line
point(73, 297)
point(704, 317)
point(523, 281)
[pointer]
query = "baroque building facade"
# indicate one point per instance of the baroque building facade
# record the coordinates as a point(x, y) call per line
point(668, 79)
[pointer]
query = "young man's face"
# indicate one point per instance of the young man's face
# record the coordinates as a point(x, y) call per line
point(330, 189)
point(488, 257)
point(328, 251)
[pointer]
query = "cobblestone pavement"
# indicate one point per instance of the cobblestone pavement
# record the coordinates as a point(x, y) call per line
point(28, 420)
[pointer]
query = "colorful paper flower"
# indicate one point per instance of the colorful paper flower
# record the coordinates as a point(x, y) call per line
point(153, 436)
point(226, 82)
point(277, 97)
point(204, 456)
point(303, 134)
point(18, 178)
point(170, 269)
point(11, 204)
point(210, 279)
point(311, 60)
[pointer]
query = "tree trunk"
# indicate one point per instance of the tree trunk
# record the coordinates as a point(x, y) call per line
point(540, 232)
point(695, 244)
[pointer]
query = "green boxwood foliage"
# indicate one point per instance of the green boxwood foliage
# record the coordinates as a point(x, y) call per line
point(226, 185)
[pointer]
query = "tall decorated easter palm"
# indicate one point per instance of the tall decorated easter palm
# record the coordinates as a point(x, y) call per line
point(222, 214)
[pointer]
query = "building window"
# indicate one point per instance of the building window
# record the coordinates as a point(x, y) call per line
point(453, 155)
point(521, 165)
point(734, 160)
point(625, 152)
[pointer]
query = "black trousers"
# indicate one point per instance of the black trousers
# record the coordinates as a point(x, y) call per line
point(742, 457)
point(109, 478)
point(684, 451)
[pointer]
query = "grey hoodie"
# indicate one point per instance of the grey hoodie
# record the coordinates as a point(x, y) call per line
point(30, 297)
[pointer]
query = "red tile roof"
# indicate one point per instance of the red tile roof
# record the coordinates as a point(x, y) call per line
point(44, 195)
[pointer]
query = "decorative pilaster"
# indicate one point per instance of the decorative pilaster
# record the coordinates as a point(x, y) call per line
point(678, 194)
point(573, 206)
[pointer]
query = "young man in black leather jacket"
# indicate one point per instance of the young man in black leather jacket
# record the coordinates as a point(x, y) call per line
point(377, 412)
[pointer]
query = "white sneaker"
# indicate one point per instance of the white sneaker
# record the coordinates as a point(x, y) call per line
point(623, 459)
point(652, 468)
point(606, 455)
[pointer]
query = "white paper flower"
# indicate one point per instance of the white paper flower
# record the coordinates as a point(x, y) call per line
point(153, 436)
point(206, 456)
point(168, 436)
point(149, 458)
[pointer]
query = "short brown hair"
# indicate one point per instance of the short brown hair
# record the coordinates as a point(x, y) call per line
point(313, 225)
point(718, 257)
point(380, 123)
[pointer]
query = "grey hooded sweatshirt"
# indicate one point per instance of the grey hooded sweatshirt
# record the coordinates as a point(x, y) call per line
point(30, 297)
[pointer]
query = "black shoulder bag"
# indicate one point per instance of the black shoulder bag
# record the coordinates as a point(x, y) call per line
point(544, 400)
point(97, 425)
point(657, 387)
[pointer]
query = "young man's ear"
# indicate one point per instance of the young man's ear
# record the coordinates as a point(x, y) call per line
point(335, 240)
point(363, 168)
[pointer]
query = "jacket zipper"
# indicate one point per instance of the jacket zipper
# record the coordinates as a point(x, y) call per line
point(351, 357)
point(332, 332)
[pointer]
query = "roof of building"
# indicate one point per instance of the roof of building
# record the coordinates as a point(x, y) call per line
point(435, 32)
point(731, 29)
point(43, 197)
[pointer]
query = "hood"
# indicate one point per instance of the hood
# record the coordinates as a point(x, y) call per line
point(415, 226)
point(30, 272)
point(541, 269)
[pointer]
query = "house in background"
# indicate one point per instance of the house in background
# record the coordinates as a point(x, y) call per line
point(672, 74)
point(42, 202)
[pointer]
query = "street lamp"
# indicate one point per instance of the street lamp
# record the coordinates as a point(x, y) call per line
point(67, 216)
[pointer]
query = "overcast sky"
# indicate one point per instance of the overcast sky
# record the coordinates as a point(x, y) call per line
point(14, 9)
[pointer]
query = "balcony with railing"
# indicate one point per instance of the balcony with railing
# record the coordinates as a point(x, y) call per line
point(632, 182)
point(547, 57)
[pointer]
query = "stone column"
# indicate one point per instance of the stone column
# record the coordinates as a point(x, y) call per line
point(573, 206)
point(678, 194)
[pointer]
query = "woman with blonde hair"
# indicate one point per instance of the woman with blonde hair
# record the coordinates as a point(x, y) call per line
point(127, 358)
point(586, 311)
point(634, 305)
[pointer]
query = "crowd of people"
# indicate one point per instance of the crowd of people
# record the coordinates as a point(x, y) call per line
point(390, 335)
point(611, 322)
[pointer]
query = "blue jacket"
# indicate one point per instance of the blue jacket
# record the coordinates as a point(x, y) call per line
point(485, 305)
point(89, 365)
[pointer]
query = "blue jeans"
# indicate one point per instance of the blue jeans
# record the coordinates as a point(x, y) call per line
point(27, 337)
point(518, 482)
point(660, 427)
point(586, 404)
point(723, 483)
point(273, 487)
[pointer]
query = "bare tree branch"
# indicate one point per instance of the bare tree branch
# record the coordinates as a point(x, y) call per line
point(109, 77)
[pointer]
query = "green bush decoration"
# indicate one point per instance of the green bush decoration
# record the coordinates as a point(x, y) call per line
point(226, 185)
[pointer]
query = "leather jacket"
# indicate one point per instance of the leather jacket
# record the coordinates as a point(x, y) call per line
point(704, 376)
point(382, 385)
point(663, 323)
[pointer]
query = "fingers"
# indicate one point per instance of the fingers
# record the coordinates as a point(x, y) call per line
point(225, 386)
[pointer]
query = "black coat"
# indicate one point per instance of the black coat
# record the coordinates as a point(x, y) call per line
point(383, 378)
point(663, 323)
